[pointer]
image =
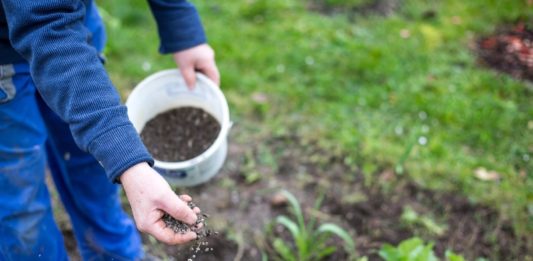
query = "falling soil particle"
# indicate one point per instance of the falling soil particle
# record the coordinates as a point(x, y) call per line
point(180, 134)
point(509, 51)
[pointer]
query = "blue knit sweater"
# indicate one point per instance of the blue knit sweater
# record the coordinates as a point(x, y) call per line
point(50, 35)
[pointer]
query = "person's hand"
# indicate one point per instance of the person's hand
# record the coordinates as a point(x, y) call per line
point(200, 58)
point(150, 196)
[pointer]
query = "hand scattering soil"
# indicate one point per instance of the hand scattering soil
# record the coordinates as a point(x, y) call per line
point(180, 134)
point(200, 228)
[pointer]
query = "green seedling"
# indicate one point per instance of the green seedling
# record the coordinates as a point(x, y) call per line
point(249, 170)
point(414, 249)
point(310, 241)
point(451, 256)
point(412, 218)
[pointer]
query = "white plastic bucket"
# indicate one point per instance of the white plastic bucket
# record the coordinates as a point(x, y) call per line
point(167, 90)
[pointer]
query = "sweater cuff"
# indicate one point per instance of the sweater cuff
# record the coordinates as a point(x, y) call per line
point(178, 39)
point(119, 149)
point(179, 28)
point(171, 46)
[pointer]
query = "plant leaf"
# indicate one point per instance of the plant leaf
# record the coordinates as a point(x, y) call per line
point(283, 250)
point(324, 252)
point(299, 238)
point(264, 256)
point(433, 226)
point(388, 253)
point(290, 225)
point(312, 222)
point(409, 215)
point(411, 246)
point(427, 254)
point(296, 209)
point(451, 256)
point(349, 244)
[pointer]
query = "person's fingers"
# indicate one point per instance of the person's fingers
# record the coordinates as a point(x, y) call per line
point(184, 238)
point(199, 225)
point(168, 236)
point(186, 198)
point(160, 232)
point(189, 76)
point(211, 71)
point(178, 209)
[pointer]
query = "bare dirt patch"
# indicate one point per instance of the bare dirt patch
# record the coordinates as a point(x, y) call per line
point(241, 209)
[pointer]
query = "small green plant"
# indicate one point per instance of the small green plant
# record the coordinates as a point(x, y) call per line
point(411, 218)
point(249, 170)
point(414, 249)
point(310, 240)
point(451, 256)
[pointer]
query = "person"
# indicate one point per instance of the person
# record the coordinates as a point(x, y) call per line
point(59, 110)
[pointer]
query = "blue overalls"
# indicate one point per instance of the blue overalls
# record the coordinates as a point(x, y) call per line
point(32, 137)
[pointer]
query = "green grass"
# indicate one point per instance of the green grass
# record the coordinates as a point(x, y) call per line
point(362, 90)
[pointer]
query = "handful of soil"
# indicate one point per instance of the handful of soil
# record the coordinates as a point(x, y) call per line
point(179, 227)
point(200, 228)
point(180, 134)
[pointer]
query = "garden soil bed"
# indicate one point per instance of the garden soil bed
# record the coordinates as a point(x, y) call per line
point(509, 50)
point(241, 207)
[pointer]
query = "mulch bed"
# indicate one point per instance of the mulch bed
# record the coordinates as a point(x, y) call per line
point(509, 50)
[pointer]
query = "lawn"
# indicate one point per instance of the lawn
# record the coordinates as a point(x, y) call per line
point(401, 94)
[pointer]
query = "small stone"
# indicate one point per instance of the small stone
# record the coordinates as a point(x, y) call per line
point(278, 200)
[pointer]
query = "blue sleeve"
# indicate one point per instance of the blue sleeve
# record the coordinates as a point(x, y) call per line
point(66, 70)
point(178, 24)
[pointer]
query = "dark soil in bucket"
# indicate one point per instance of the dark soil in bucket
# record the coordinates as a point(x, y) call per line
point(510, 50)
point(180, 134)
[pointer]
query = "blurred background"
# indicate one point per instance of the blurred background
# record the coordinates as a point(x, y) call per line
point(399, 121)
